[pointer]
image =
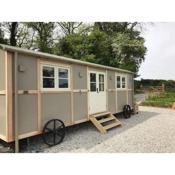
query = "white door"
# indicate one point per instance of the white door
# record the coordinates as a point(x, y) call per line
point(97, 92)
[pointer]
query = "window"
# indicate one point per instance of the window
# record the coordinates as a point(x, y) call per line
point(121, 82)
point(48, 77)
point(54, 77)
point(92, 82)
point(63, 78)
point(118, 81)
point(101, 82)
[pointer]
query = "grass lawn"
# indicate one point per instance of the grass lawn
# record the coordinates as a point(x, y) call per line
point(164, 100)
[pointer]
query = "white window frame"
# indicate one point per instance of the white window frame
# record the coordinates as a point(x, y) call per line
point(56, 77)
point(121, 76)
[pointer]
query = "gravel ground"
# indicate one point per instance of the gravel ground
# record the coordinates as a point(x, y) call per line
point(150, 131)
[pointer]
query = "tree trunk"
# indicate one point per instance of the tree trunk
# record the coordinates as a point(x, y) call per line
point(13, 32)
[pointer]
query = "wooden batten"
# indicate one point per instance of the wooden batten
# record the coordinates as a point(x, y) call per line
point(81, 121)
point(30, 134)
point(9, 96)
point(107, 101)
point(23, 92)
point(3, 92)
point(72, 97)
point(80, 90)
point(55, 92)
point(127, 96)
point(88, 110)
point(39, 96)
point(4, 138)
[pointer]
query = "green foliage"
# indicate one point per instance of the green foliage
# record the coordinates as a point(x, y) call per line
point(128, 51)
point(73, 45)
point(164, 100)
point(169, 84)
point(116, 44)
point(2, 38)
point(43, 40)
point(91, 47)
point(110, 44)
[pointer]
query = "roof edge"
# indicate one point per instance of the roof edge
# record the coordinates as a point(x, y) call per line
point(52, 56)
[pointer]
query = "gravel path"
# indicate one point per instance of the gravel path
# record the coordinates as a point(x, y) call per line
point(152, 130)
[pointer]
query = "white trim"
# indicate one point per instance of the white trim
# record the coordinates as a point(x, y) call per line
point(2, 92)
point(121, 76)
point(92, 95)
point(56, 78)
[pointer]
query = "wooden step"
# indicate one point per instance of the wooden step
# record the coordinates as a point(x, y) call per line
point(101, 114)
point(98, 125)
point(110, 121)
point(112, 125)
point(106, 119)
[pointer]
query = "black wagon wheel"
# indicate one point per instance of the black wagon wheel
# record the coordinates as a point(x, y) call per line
point(53, 132)
point(127, 111)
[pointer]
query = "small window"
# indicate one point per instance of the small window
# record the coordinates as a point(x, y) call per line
point(93, 82)
point(101, 82)
point(93, 87)
point(93, 77)
point(63, 78)
point(118, 82)
point(54, 77)
point(123, 82)
point(48, 77)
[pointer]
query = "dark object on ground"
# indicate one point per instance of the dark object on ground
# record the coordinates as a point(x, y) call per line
point(53, 132)
point(127, 111)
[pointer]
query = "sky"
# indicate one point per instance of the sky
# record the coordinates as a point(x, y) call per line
point(160, 58)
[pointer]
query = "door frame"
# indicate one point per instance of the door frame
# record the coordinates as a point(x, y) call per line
point(105, 88)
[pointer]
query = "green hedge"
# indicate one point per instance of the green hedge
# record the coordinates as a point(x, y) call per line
point(169, 84)
point(164, 100)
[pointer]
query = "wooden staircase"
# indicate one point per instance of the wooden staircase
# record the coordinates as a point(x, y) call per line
point(104, 121)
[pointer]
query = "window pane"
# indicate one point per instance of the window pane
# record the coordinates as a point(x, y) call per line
point(48, 83)
point(63, 73)
point(63, 83)
point(48, 71)
point(92, 77)
point(101, 87)
point(123, 82)
point(118, 81)
point(101, 78)
point(93, 87)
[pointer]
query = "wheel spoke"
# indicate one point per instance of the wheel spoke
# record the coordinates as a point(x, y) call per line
point(54, 138)
point(59, 134)
point(59, 128)
point(48, 129)
point(54, 125)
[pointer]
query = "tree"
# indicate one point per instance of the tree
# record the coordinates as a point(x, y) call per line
point(13, 32)
point(43, 39)
point(117, 44)
point(69, 27)
point(111, 44)
point(129, 52)
point(2, 38)
point(73, 45)
point(10, 29)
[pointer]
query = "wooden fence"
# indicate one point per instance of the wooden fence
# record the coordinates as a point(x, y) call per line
point(152, 91)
